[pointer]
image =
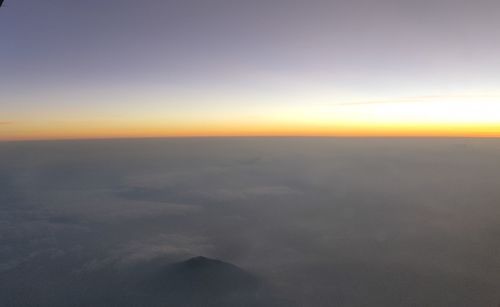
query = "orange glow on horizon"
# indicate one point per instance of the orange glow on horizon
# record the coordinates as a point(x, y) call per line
point(68, 131)
point(453, 116)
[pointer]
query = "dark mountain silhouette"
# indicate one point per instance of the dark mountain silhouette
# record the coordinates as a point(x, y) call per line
point(201, 281)
point(207, 273)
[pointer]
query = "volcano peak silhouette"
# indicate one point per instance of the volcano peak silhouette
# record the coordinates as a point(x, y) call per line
point(207, 282)
point(201, 261)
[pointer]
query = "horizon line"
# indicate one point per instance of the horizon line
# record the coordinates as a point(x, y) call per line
point(124, 138)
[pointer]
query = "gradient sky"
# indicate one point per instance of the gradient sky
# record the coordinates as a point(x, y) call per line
point(118, 68)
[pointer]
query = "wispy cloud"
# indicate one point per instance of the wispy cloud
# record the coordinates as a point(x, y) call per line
point(5, 123)
point(428, 98)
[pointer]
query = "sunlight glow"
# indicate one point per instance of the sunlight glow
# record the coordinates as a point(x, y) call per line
point(465, 116)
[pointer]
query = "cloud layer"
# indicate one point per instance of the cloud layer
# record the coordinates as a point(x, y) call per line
point(324, 221)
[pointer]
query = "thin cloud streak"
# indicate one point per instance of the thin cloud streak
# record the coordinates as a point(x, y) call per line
point(428, 98)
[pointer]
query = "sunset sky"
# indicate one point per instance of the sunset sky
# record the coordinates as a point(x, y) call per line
point(153, 68)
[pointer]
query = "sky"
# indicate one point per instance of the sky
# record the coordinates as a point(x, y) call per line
point(122, 68)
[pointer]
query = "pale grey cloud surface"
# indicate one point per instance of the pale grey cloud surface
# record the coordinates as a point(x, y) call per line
point(345, 222)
